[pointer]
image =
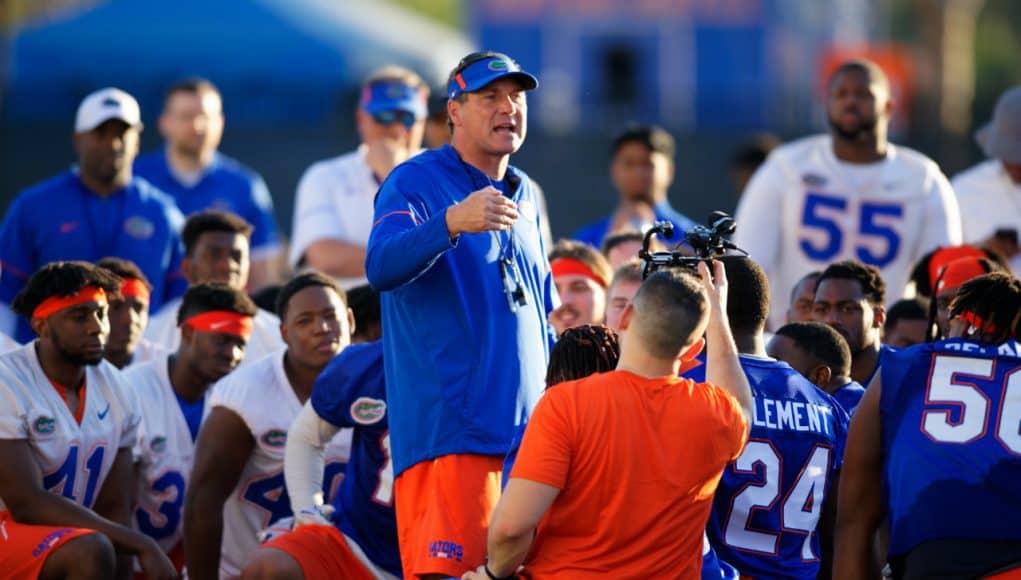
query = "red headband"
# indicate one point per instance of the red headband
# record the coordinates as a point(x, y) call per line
point(55, 304)
point(573, 267)
point(222, 321)
point(956, 273)
point(135, 288)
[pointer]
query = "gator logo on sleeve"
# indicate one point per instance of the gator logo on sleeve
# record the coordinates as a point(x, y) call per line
point(44, 425)
point(368, 411)
point(274, 438)
point(158, 444)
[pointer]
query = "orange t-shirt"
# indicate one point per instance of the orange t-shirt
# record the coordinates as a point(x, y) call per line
point(637, 461)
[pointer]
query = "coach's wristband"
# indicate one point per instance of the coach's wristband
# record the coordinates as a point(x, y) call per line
point(492, 576)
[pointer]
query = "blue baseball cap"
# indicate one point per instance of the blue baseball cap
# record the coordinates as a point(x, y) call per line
point(387, 96)
point(476, 73)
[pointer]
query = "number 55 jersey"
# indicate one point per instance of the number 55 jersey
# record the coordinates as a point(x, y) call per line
point(769, 500)
point(951, 440)
point(804, 209)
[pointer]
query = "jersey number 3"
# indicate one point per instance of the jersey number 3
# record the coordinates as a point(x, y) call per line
point(822, 213)
point(800, 507)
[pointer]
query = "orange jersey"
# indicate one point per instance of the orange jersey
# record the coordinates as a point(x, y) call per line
point(637, 461)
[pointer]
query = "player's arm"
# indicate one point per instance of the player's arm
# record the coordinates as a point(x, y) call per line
point(117, 498)
point(305, 458)
point(336, 257)
point(223, 447)
point(29, 503)
point(403, 243)
point(942, 224)
point(826, 528)
point(723, 368)
point(759, 215)
point(859, 500)
point(513, 524)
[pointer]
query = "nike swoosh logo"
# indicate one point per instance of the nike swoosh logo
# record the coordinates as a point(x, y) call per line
point(102, 414)
point(68, 227)
point(219, 325)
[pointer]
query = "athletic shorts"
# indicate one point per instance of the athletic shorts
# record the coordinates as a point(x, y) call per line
point(322, 552)
point(443, 508)
point(24, 548)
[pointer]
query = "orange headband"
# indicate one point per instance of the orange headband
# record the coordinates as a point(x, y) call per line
point(135, 288)
point(55, 304)
point(977, 321)
point(573, 267)
point(222, 321)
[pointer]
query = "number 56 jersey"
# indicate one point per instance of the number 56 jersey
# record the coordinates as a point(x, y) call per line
point(804, 209)
point(770, 498)
point(951, 438)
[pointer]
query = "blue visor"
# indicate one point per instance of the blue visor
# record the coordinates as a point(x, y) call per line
point(480, 73)
point(393, 96)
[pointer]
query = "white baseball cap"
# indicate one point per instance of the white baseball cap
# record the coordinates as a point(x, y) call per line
point(106, 104)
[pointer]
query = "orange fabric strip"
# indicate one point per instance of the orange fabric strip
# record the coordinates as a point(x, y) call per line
point(55, 304)
point(80, 411)
point(135, 288)
point(570, 266)
point(222, 321)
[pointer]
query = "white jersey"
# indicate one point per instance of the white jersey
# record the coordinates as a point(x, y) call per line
point(164, 453)
point(146, 351)
point(805, 209)
point(334, 201)
point(265, 338)
point(73, 458)
point(989, 200)
point(262, 397)
point(7, 344)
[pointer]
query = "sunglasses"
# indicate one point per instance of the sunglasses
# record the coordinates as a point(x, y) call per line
point(388, 118)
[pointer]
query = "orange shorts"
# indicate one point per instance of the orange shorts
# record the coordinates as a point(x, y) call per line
point(322, 552)
point(443, 508)
point(1012, 574)
point(24, 548)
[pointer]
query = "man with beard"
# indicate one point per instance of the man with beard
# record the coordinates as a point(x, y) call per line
point(172, 394)
point(457, 229)
point(198, 177)
point(67, 424)
point(93, 210)
point(850, 297)
point(642, 170)
point(847, 195)
point(129, 315)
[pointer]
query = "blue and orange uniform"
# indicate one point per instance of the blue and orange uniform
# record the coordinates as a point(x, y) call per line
point(60, 219)
point(951, 448)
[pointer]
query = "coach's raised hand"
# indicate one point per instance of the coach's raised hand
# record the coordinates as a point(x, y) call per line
point(483, 210)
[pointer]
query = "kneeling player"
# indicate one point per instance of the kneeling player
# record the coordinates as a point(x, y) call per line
point(361, 540)
point(67, 424)
point(237, 486)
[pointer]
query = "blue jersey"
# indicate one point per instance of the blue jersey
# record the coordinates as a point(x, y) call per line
point(226, 185)
point(350, 392)
point(463, 368)
point(595, 233)
point(60, 219)
point(769, 500)
point(849, 396)
point(951, 412)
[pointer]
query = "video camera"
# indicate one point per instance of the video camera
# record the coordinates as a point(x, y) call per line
point(708, 242)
